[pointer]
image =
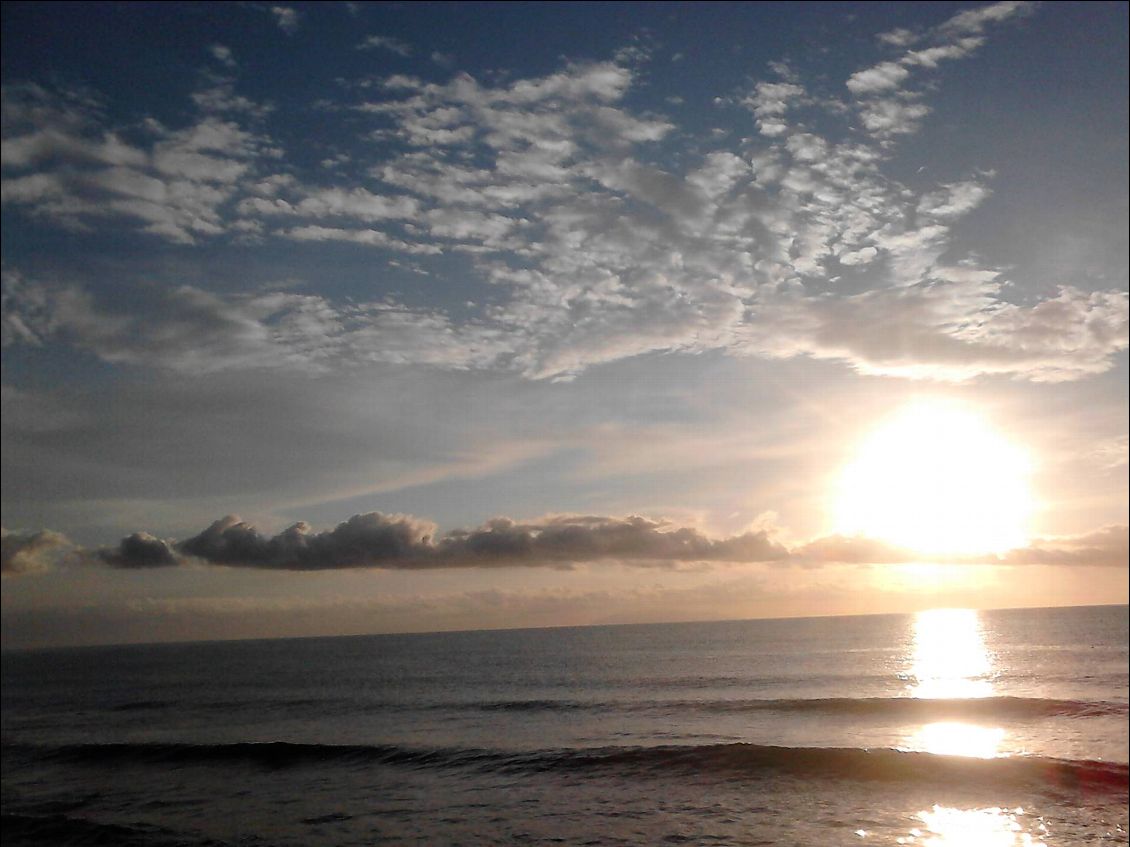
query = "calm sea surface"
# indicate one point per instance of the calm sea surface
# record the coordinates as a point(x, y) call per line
point(943, 728)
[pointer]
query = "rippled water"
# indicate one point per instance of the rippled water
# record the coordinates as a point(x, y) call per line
point(945, 728)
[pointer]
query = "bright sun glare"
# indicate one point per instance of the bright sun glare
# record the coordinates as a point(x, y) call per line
point(937, 479)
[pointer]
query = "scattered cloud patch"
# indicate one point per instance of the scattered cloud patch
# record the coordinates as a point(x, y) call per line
point(384, 42)
point(286, 18)
point(223, 55)
point(176, 187)
point(882, 77)
point(975, 20)
point(22, 553)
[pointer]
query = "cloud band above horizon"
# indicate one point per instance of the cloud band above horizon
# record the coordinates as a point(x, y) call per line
point(404, 542)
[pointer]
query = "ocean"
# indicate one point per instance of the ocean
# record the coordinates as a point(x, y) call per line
point(949, 727)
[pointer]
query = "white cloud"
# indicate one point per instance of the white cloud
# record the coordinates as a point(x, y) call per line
point(886, 118)
point(770, 103)
point(931, 56)
point(888, 107)
point(384, 42)
point(953, 329)
point(975, 20)
point(883, 77)
point(952, 201)
point(597, 245)
point(286, 18)
point(900, 37)
point(177, 187)
point(223, 55)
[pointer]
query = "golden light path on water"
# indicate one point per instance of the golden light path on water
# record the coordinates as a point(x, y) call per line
point(950, 661)
point(946, 827)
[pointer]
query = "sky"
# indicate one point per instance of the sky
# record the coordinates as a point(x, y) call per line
point(343, 318)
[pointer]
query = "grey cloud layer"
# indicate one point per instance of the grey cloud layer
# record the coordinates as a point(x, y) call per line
point(401, 541)
point(374, 540)
point(550, 189)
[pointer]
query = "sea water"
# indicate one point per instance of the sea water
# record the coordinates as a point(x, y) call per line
point(949, 727)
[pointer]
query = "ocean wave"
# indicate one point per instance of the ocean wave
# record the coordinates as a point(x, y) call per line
point(929, 708)
point(734, 760)
point(910, 708)
point(248, 704)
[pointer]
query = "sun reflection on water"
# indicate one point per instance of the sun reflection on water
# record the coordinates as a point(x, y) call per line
point(948, 827)
point(953, 738)
point(950, 661)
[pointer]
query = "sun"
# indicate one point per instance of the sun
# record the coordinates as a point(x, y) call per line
point(937, 479)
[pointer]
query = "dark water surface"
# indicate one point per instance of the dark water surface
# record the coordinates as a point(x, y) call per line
point(945, 728)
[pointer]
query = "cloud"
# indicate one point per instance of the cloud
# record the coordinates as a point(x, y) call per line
point(900, 37)
point(974, 21)
point(286, 18)
point(1105, 547)
point(384, 42)
point(952, 201)
point(176, 186)
point(404, 542)
point(1112, 453)
point(952, 328)
point(22, 553)
point(192, 331)
point(24, 311)
point(571, 538)
point(223, 55)
point(886, 104)
point(139, 550)
point(564, 201)
point(771, 102)
point(882, 77)
point(887, 118)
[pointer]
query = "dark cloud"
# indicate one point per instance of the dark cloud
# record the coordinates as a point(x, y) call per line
point(140, 550)
point(369, 540)
point(591, 538)
point(403, 542)
point(27, 553)
point(400, 541)
point(1108, 546)
point(374, 540)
